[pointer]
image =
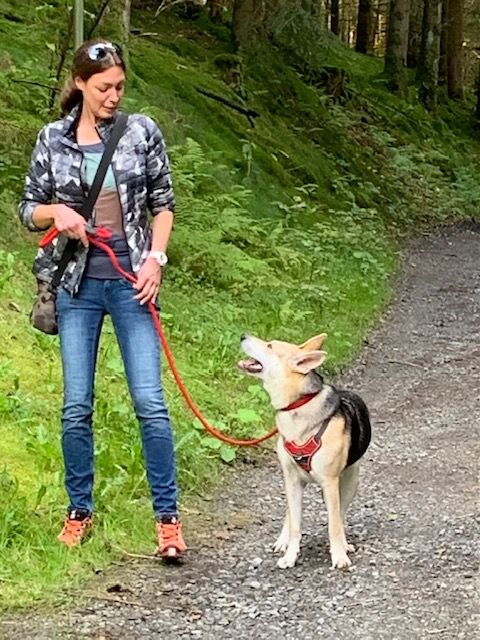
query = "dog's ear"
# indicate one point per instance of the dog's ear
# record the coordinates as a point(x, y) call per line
point(305, 362)
point(313, 343)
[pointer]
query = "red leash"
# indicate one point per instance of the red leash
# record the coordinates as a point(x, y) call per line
point(95, 238)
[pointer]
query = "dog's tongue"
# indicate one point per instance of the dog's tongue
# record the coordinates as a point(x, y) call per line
point(251, 365)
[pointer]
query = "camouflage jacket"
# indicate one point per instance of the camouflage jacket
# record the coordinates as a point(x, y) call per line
point(57, 174)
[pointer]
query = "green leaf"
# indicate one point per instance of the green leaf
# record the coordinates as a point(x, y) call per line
point(196, 424)
point(40, 494)
point(248, 415)
point(227, 454)
point(212, 443)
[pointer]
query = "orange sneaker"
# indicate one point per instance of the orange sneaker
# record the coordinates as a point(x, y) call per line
point(171, 544)
point(76, 527)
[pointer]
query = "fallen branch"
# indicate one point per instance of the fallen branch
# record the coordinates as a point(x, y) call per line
point(147, 34)
point(37, 84)
point(137, 556)
point(132, 603)
point(249, 113)
point(406, 363)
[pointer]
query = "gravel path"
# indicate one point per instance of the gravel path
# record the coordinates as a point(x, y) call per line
point(415, 572)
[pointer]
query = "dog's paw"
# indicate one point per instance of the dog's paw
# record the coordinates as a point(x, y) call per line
point(349, 548)
point(340, 560)
point(280, 545)
point(287, 561)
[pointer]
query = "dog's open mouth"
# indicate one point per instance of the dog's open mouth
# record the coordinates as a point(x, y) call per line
point(250, 366)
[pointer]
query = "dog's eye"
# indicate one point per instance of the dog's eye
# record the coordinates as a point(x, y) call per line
point(269, 346)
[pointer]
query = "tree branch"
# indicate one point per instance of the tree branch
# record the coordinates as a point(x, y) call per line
point(61, 62)
point(249, 113)
point(37, 84)
point(166, 4)
point(98, 17)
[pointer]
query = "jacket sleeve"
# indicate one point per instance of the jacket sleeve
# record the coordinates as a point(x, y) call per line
point(159, 180)
point(38, 187)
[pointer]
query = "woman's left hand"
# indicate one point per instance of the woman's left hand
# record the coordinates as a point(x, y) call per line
point(148, 281)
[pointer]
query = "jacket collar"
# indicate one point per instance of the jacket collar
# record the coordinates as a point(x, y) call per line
point(70, 122)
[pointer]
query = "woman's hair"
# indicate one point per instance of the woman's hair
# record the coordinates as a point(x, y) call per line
point(84, 67)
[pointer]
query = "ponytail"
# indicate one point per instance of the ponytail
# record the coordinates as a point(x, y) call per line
point(70, 96)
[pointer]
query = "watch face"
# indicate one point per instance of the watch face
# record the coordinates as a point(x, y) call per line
point(160, 257)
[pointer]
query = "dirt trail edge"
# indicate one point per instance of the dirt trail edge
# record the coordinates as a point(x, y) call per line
point(414, 522)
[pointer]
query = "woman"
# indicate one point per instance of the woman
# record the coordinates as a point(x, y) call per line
point(63, 165)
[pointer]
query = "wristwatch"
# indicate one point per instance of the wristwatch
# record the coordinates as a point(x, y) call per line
point(159, 256)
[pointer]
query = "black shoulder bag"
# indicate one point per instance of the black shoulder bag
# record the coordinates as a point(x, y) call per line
point(43, 315)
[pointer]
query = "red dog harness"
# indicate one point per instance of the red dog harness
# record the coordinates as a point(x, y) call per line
point(303, 453)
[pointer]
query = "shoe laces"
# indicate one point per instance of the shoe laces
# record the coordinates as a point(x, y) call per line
point(168, 531)
point(73, 528)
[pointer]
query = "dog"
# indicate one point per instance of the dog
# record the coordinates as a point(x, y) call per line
point(323, 433)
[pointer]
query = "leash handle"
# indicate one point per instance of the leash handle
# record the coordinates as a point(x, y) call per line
point(48, 237)
point(99, 232)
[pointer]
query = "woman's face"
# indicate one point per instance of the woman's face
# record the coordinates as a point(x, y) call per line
point(102, 92)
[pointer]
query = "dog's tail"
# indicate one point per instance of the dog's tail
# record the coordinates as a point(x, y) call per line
point(357, 421)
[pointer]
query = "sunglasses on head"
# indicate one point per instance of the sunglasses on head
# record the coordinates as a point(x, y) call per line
point(101, 50)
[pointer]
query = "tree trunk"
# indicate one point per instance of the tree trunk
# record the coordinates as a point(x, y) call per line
point(335, 17)
point(126, 15)
point(430, 53)
point(290, 24)
point(364, 26)
point(414, 33)
point(477, 111)
point(377, 26)
point(327, 14)
point(442, 60)
point(455, 57)
point(248, 20)
point(119, 19)
point(217, 10)
point(397, 43)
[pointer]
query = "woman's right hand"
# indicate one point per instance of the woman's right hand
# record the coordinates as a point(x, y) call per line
point(71, 223)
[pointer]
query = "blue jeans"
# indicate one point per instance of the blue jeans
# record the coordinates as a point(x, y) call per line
point(80, 320)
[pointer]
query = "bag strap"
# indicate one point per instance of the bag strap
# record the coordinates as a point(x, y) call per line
point(89, 203)
point(117, 132)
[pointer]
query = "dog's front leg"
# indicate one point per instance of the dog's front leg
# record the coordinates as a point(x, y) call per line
point(336, 530)
point(294, 486)
point(281, 542)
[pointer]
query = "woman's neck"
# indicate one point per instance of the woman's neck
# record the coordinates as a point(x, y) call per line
point(86, 129)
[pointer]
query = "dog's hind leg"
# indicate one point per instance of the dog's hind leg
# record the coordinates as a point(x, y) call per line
point(348, 489)
point(336, 531)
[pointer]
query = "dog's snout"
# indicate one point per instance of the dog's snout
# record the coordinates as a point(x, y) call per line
point(243, 337)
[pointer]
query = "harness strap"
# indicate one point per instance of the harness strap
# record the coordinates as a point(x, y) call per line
point(303, 453)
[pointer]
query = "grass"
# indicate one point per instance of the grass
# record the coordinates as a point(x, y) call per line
point(283, 230)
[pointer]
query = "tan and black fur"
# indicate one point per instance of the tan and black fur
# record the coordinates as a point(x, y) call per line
point(288, 373)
